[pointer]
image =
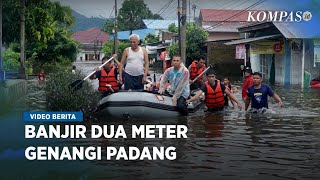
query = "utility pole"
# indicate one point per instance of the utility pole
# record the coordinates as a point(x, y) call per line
point(2, 77)
point(115, 28)
point(179, 30)
point(183, 31)
point(189, 6)
point(194, 7)
point(22, 73)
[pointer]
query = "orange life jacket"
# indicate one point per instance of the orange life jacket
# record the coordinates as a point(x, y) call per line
point(194, 71)
point(214, 98)
point(108, 78)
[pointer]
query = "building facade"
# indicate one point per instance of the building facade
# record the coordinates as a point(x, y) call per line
point(91, 42)
point(282, 53)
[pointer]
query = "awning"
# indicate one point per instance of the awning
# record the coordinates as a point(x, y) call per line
point(243, 41)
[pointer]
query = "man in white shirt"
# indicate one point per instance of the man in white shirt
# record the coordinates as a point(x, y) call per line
point(134, 76)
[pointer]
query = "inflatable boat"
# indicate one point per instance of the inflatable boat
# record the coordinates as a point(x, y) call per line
point(140, 105)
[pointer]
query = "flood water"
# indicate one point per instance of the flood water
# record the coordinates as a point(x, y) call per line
point(282, 144)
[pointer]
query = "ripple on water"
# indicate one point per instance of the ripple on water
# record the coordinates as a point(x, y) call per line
point(229, 145)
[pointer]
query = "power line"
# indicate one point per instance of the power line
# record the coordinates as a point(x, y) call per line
point(235, 15)
point(166, 7)
point(223, 8)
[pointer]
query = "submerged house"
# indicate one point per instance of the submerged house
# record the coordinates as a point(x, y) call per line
point(91, 41)
point(283, 52)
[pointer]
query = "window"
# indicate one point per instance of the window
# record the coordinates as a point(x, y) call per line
point(264, 66)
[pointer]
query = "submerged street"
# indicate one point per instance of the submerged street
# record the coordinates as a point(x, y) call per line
point(281, 144)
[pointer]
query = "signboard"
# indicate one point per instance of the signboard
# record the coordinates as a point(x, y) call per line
point(240, 51)
point(267, 47)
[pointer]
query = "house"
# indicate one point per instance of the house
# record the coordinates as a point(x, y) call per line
point(222, 26)
point(284, 53)
point(91, 41)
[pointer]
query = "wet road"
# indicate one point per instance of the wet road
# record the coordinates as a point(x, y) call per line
point(283, 144)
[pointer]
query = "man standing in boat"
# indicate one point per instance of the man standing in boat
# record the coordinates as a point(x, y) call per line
point(214, 93)
point(178, 77)
point(195, 69)
point(258, 94)
point(134, 57)
point(107, 76)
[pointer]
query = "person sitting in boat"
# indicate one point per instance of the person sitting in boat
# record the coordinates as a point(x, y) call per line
point(148, 85)
point(134, 57)
point(258, 94)
point(214, 92)
point(195, 69)
point(107, 77)
point(178, 77)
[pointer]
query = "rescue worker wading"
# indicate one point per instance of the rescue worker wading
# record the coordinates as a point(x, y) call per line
point(107, 76)
point(214, 93)
point(195, 69)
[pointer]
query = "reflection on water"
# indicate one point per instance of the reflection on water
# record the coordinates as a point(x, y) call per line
point(233, 144)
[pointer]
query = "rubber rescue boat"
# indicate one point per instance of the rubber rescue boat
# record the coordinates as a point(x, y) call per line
point(144, 105)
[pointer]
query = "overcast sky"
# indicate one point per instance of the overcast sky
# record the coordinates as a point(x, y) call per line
point(166, 8)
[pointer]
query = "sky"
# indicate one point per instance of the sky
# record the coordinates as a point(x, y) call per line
point(166, 8)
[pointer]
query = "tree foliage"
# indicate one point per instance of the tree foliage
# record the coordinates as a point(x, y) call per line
point(195, 38)
point(132, 13)
point(151, 38)
point(107, 48)
point(11, 60)
point(108, 26)
point(59, 49)
point(45, 38)
point(84, 99)
point(173, 28)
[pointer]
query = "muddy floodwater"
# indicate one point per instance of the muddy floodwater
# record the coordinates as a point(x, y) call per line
point(284, 143)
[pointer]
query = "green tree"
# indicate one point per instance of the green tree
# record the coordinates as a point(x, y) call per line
point(11, 60)
point(107, 48)
point(132, 13)
point(59, 49)
point(151, 38)
point(44, 23)
point(108, 26)
point(173, 28)
point(196, 36)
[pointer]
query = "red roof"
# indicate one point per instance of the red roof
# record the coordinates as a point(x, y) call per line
point(90, 36)
point(218, 15)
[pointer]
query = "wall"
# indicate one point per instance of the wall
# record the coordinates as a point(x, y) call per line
point(223, 58)
point(10, 92)
point(218, 36)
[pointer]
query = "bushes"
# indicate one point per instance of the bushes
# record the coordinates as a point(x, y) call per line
point(11, 60)
point(60, 97)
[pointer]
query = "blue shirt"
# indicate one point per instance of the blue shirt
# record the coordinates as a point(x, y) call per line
point(259, 97)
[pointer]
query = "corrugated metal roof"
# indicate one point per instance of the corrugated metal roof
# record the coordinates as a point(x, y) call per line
point(124, 35)
point(159, 24)
point(295, 30)
point(242, 41)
